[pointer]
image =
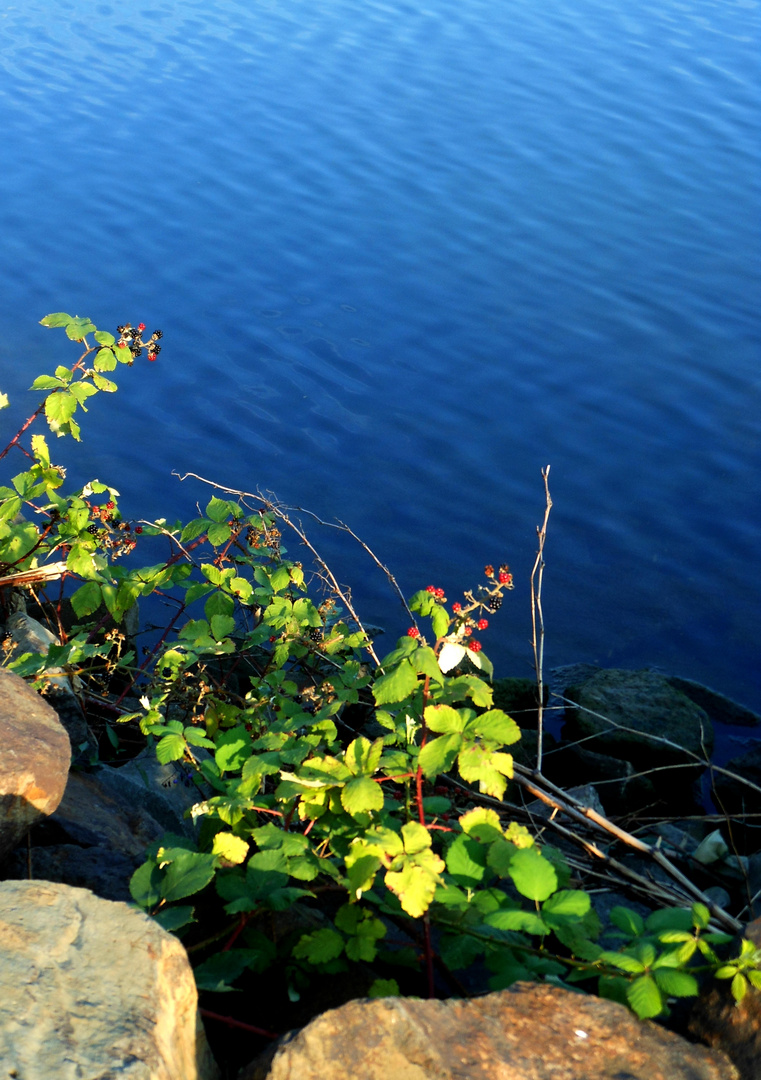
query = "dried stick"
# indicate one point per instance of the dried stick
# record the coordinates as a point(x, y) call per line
point(537, 618)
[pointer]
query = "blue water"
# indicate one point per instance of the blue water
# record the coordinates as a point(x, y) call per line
point(404, 256)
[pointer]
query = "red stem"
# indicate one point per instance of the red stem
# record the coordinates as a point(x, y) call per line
point(21, 430)
point(239, 1024)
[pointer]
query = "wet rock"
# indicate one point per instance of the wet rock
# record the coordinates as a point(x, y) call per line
point(34, 763)
point(720, 709)
point(528, 1032)
point(622, 791)
point(646, 704)
point(92, 988)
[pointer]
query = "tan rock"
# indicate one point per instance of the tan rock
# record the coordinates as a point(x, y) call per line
point(93, 990)
point(529, 1032)
point(34, 759)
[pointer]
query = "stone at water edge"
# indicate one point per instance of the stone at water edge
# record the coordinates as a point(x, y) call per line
point(93, 989)
point(34, 759)
point(531, 1031)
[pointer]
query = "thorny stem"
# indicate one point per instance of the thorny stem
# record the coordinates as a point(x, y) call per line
point(239, 1024)
point(537, 618)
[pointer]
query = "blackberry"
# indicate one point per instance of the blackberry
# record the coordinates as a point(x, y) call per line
point(495, 603)
point(315, 633)
point(93, 530)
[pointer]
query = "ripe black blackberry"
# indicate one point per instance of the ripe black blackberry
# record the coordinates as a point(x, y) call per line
point(494, 603)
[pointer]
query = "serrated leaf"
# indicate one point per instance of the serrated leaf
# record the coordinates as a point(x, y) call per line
point(497, 726)
point(438, 755)
point(222, 626)
point(569, 903)
point(104, 384)
point(233, 749)
point(193, 530)
point(86, 599)
point(319, 947)
point(170, 748)
point(623, 961)
point(218, 534)
point(145, 885)
point(58, 318)
point(444, 719)
point(216, 973)
point(415, 884)
point(627, 920)
point(46, 382)
point(104, 338)
point(384, 988)
point(517, 919)
point(675, 983)
point(174, 918)
point(77, 328)
point(644, 997)
point(187, 874)
point(104, 360)
point(739, 987)
point(466, 862)
point(218, 510)
point(532, 874)
point(361, 795)
point(231, 848)
point(397, 684)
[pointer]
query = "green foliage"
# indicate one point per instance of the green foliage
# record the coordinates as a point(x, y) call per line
point(251, 688)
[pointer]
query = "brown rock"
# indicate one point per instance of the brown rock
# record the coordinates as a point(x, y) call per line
point(529, 1032)
point(34, 763)
point(92, 988)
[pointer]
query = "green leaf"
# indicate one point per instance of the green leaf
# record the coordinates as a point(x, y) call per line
point(218, 510)
point(193, 530)
point(216, 973)
point(466, 862)
point(78, 327)
point(104, 338)
point(438, 755)
point(86, 599)
point(397, 684)
point(517, 919)
point(104, 360)
point(497, 726)
point(674, 983)
point(219, 603)
point(187, 874)
point(627, 920)
point(361, 795)
point(59, 318)
point(145, 885)
point(532, 874)
point(219, 534)
point(170, 748)
point(623, 961)
point(571, 903)
point(439, 620)
point(47, 382)
point(739, 987)
point(174, 918)
point(222, 626)
point(104, 384)
point(233, 749)
point(644, 997)
point(384, 988)
point(82, 391)
point(319, 947)
point(444, 719)
point(59, 408)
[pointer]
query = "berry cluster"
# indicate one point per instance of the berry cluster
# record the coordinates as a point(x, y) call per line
point(110, 531)
point(265, 537)
point(131, 337)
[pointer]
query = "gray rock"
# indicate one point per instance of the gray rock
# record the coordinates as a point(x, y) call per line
point(528, 1032)
point(35, 758)
point(721, 709)
point(30, 636)
point(93, 989)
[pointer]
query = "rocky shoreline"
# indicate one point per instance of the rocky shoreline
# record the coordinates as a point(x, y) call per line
point(634, 746)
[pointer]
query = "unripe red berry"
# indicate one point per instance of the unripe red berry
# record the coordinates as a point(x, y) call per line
point(474, 646)
point(482, 624)
point(413, 632)
point(456, 607)
point(110, 505)
point(505, 578)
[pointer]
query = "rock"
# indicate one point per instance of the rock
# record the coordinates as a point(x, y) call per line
point(621, 790)
point(31, 636)
point(645, 703)
point(34, 763)
point(737, 799)
point(720, 709)
point(518, 698)
point(91, 988)
point(717, 1020)
point(528, 1032)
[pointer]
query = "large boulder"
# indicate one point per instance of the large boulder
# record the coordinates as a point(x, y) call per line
point(625, 713)
point(91, 988)
point(529, 1032)
point(34, 762)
